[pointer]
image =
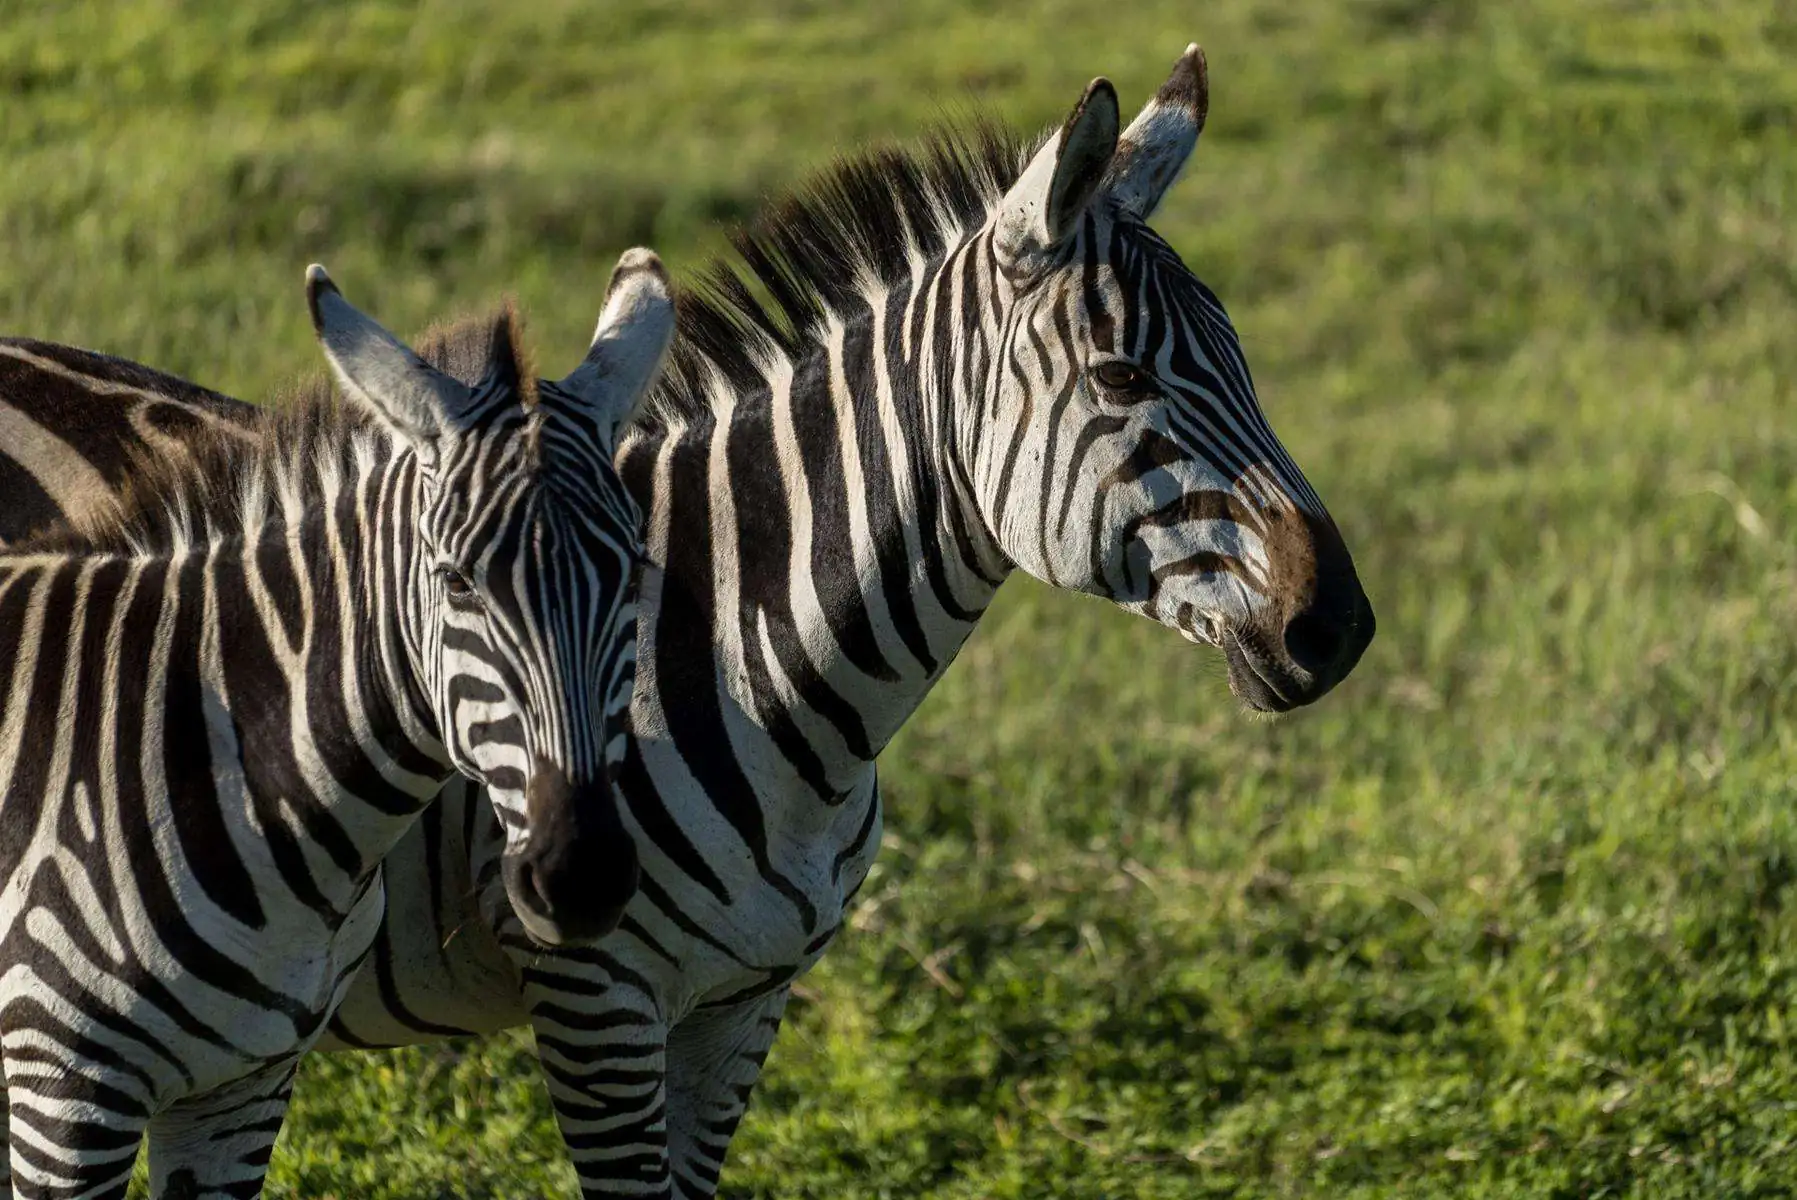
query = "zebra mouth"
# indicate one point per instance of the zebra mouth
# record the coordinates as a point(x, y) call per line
point(1253, 679)
point(1201, 629)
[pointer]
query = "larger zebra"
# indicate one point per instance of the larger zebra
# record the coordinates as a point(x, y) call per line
point(972, 358)
point(228, 695)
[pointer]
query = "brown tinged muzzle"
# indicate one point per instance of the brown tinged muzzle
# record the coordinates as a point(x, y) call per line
point(1318, 625)
point(578, 869)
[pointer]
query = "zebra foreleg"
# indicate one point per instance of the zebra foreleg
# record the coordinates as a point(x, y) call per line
point(607, 1075)
point(69, 1134)
point(218, 1144)
point(714, 1060)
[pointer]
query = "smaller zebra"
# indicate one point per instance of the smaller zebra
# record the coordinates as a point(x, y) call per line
point(223, 701)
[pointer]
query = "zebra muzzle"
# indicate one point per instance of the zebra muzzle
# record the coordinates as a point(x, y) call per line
point(577, 871)
point(1286, 668)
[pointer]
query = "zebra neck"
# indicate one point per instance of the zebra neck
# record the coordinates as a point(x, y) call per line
point(820, 549)
point(313, 661)
point(214, 693)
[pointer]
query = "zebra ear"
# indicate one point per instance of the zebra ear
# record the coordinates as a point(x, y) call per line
point(1044, 205)
point(418, 401)
point(1157, 143)
point(636, 326)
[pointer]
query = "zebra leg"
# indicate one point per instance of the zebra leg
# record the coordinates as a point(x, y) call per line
point(69, 1132)
point(72, 1121)
point(607, 1076)
point(714, 1060)
point(218, 1143)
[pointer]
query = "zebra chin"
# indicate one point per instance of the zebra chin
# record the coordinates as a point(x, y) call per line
point(571, 881)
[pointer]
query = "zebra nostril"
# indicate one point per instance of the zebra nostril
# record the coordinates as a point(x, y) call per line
point(1313, 640)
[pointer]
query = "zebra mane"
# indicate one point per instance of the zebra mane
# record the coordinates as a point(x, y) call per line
point(231, 480)
point(860, 225)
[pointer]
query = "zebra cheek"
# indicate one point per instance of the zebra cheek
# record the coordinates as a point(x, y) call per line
point(1136, 574)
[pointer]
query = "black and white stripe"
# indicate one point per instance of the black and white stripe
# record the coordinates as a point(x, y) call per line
point(225, 695)
point(970, 358)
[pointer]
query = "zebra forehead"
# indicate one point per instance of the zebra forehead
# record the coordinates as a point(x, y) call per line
point(1137, 271)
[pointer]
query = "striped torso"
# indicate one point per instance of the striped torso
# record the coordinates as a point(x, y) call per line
point(73, 420)
point(192, 833)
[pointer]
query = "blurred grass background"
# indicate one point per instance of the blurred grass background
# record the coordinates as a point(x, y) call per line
point(1507, 915)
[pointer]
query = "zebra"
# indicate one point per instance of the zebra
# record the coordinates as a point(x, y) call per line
point(229, 693)
point(930, 368)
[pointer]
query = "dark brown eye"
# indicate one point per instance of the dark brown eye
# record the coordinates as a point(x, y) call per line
point(1120, 376)
point(456, 586)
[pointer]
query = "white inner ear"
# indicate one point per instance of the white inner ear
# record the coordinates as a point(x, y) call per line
point(1155, 147)
point(383, 375)
point(407, 401)
point(1150, 156)
point(1022, 222)
point(630, 347)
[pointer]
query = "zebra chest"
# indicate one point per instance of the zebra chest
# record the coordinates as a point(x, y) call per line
point(164, 961)
point(781, 908)
point(301, 985)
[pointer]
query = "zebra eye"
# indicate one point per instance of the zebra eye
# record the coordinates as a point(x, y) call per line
point(457, 588)
point(1120, 376)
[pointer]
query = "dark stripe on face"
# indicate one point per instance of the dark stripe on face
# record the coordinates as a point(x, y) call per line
point(1095, 428)
point(1103, 328)
point(1053, 420)
point(1022, 372)
point(1205, 562)
point(1169, 314)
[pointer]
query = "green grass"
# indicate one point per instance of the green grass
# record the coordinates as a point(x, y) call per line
point(1510, 914)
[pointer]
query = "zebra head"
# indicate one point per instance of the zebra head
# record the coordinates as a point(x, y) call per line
point(1122, 450)
point(521, 569)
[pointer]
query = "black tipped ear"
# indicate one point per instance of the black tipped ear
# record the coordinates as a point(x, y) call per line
point(1088, 141)
point(636, 327)
point(1155, 147)
point(378, 371)
point(1044, 206)
point(318, 285)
